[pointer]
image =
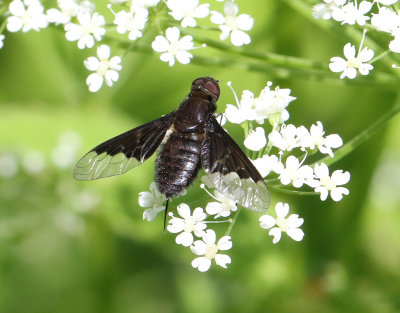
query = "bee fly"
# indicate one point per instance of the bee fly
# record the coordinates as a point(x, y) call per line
point(189, 138)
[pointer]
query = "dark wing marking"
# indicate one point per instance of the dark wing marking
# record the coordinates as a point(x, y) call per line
point(231, 171)
point(121, 153)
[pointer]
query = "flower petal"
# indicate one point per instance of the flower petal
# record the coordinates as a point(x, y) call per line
point(267, 221)
point(296, 234)
point(276, 233)
point(281, 209)
point(202, 264)
point(222, 260)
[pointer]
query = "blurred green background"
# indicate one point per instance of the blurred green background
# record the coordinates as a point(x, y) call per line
point(69, 246)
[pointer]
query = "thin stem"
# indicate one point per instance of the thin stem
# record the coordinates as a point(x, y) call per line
point(272, 58)
point(381, 80)
point(380, 56)
point(290, 191)
point(228, 231)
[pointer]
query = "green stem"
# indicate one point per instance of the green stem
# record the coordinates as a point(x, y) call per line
point(362, 137)
point(228, 231)
point(380, 56)
point(290, 191)
point(381, 80)
point(271, 58)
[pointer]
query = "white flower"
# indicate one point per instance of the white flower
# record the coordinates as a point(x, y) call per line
point(143, 4)
point(296, 173)
point(269, 104)
point(105, 68)
point(289, 137)
point(209, 250)
point(324, 144)
point(187, 10)
point(68, 9)
point(387, 2)
point(187, 225)
point(26, 15)
point(33, 162)
point(88, 29)
point(233, 25)
point(272, 104)
point(288, 225)
point(349, 67)
point(245, 110)
point(267, 164)
point(64, 154)
point(2, 37)
point(350, 14)
point(386, 20)
point(173, 47)
point(223, 207)
point(118, 1)
point(324, 10)
point(154, 200)
point(394, 45)
point(132, 22)
point(256, 139)
point(330, 183)
point(8, 165)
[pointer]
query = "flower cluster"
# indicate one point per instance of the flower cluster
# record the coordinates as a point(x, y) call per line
point(381, 16)
point(87, 27)
point(279, 156)
point(193, 225)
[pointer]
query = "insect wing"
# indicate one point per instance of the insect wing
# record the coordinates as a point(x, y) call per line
point(231, 171)
point(122, 153)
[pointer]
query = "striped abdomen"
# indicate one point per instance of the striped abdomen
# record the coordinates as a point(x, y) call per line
point(178, 162)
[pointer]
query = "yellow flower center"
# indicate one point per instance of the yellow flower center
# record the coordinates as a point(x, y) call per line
point(354, 63)
point(282, 223)
point(327, 183)
point(211, 251)
point(103, 67)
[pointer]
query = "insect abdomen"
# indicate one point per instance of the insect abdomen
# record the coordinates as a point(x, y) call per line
point(178, 162)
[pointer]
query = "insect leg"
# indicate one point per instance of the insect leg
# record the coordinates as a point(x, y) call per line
point(165, 214)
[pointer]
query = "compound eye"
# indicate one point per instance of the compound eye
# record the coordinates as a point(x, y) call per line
point(212, 87)
point(197, 81)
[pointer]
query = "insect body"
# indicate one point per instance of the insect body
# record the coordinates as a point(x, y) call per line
point(189, 138)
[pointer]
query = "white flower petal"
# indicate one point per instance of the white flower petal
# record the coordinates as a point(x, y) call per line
point(340, 178)
point(202, 264)
point(282, 209)
point(103, 52)
point(172, 34)
point(224, 243)
point(337, 193)
point(176, 225)
point(150, 214)
point(276, 233)
point(267, 221)
point(160, 44)
point(94, 81)
point(198, 247)
point(184, 210)
point(185, 239)
point(222, 260)
point(294, 221)
point(349, 51)
point(296, 234)
point(323, 191)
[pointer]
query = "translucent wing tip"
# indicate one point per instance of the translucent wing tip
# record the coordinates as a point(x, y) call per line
point(246, 192)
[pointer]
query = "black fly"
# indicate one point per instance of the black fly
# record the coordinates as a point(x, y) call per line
point(189, 138)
